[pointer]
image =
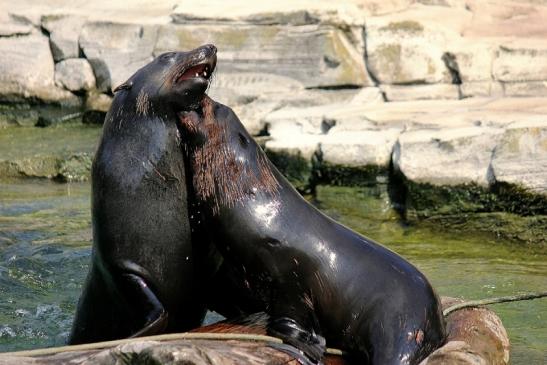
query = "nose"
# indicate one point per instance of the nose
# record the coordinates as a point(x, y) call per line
point(210, 47)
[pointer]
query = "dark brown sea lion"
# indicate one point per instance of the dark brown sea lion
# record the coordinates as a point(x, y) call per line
point(313, 276)
point(142, 280)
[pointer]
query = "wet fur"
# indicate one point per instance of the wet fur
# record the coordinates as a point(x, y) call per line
point(312, 275)
point(218, 177)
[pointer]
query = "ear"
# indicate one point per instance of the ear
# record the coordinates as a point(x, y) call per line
point(125, 86)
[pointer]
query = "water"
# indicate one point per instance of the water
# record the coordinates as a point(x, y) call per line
point(45, 246)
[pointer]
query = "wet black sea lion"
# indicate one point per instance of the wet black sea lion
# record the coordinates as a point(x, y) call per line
point(141, 280)
point(313, 276)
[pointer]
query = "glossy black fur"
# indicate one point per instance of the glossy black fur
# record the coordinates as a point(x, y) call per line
point(141, 279)
point(313, 276)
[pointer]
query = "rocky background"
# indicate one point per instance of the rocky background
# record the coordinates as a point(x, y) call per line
point(441, 102)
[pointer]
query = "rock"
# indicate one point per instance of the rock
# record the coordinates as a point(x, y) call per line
point(117, 50)
point(521, 19)
point(520, 157)
point(420, 92)
point(521, 62)
point(472, 59)
point(481, 89)
point(27, 71)
point(252, 115)
point(296, 121)
point(359, 149)
point(404, 52)
point(30, 17)
point(368, 95)
point(447, 157)
point(64, 31)
point(74, 74)
point(303, 12)
point(11, 28)
point(531, 88)
point(240, 88)
point(62, 152)
point(329, 58)
point(98, 102)
point(76, 167)
point(294, 157)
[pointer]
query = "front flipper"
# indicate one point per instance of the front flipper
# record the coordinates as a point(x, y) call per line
point(149, 313)
point(306, 340)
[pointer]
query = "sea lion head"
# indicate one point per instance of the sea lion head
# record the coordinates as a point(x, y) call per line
point(227, 165)
point(176, 80)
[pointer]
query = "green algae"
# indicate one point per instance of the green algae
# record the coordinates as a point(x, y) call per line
point(406, 26)
point(342, 175)
point(61, 151)
point(459, 261)
point(297, 169)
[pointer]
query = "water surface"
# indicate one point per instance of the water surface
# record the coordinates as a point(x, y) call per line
point(45, 239)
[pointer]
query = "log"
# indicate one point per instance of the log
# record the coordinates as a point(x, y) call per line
point(475, 336)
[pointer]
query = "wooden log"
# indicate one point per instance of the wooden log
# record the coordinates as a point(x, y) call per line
point(475, 336)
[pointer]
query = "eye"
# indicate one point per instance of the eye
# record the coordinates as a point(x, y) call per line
point(167, 56)
point(243, 141)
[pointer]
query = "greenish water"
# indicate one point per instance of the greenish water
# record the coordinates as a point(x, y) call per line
point(45, 242)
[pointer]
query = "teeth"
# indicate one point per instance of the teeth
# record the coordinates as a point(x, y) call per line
point(197, 74)
point(205, 73)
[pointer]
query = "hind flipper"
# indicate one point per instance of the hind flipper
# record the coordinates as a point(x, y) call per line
point(293, 333)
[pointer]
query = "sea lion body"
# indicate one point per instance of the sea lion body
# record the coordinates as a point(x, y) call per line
point(312, 275)
point(141, 280)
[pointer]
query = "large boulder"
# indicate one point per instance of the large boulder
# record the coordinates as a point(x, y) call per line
point(359, 148)
point(64, 31)
point(117, 50)
point(27, 70)
point(521, 156)
point(74, 74)
point(329, 58)
point(420, 92)
point(521, 61)
point(405, 51)
point(447, 156)
point(343, 12)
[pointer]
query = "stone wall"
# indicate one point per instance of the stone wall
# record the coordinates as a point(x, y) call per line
point(440, 93)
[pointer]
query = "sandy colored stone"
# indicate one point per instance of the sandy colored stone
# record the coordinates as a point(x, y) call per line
point(482, 89)
point(527, 89)
point(280, 12)
point(520, 158)
point(98, 102)
point(117, 50)
point(420, 92)
point(359, 149)
point(64, 32)
point(447, 157)
point(74, 74)
point(521, 62)
point(506, 18)
point(27, 70)
point(397, 52)
point(329, 58)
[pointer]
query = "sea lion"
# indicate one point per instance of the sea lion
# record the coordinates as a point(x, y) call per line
point(315, 277)
point(141, 279)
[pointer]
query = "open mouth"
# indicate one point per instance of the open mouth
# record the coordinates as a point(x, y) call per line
point(203, 70)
